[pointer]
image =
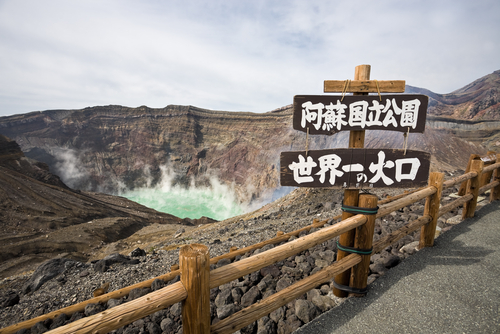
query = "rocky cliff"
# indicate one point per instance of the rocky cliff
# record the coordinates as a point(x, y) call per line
point(478, 101)
point(42, 218)
point(111, 148)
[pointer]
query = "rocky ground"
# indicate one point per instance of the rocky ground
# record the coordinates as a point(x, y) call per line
point(22, 296)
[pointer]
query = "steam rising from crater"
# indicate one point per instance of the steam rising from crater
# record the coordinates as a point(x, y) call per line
point(215, 200)
point(69, 167)
point(211, 198)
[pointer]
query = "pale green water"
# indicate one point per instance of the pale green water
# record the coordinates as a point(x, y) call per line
point(188, 203)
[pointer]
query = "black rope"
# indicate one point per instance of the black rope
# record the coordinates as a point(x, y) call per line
point(358, 210)
point(360, 251)
point(350, 289)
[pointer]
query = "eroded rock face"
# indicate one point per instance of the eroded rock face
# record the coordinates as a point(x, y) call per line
point(112, 147)
point(479, 100)
point(42, 218)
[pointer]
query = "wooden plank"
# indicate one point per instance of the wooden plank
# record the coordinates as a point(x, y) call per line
point(356, 140)
point(463, 186)
point(355, 168)
point(351, 198)
point(431, 209)
point(405, 201)
point(363, 240)
point(364, 86)
point(488, 186)
point(126, 313)
point(263, 307)
point(492, 167)
point(495, 192)
point(246, 266)
point(488, 161)
point(390, 239)
point(330, 114)
point(462, 178)
point(473, 188)
point(194, 263)
point(454, 204)
point(117, 294)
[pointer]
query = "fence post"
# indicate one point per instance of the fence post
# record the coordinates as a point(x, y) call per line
point(495, 192)
point(473, 188)
point(428, 231)
point(463, 186)
point(364, 240)
point(486, 177)
point(194, 262)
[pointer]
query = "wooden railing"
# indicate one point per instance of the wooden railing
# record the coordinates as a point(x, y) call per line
point(197, 280)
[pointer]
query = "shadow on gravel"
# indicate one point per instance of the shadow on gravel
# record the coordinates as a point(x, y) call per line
point(446, 252)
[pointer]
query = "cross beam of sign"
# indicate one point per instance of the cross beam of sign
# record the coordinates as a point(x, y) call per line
point(364, 86)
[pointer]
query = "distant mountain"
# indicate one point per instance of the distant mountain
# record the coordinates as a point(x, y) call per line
point(110, 148)
point(479, 100)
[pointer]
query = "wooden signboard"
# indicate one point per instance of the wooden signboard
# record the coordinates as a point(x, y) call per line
point(355, 168)
point(329, 114)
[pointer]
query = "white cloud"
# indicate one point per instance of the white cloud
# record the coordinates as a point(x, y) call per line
point(232, 55)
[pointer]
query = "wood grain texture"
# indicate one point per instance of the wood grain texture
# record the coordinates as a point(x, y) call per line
point(126, 313)
point(246, 266)
point(454, 204)
point(364, 240)
point(81, 306)
point(266, 306)
point(473, 188)
point(462, 178)
point(405, 201)
point(364, 86)
point(194, 263)
point(495, 192)
point(463, 186)
point(431, 209)
point(356, 140)
point(488, 186)
point(389, 239)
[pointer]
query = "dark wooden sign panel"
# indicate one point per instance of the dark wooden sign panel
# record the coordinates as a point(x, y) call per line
point(327, 114)
point(355, 168)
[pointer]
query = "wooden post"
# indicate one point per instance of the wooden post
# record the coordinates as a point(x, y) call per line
point(364, 240)
point(356, 140)
point(194, 262)
point(486, 177)
point(428, 231)
point(463, 186)
point(495, 192)
point(473, 188)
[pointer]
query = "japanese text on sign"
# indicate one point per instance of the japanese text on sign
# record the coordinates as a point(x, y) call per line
point(327, 114)
point(354, 168)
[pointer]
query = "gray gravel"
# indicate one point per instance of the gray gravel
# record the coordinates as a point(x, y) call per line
point(452, 287)
point(76, 281)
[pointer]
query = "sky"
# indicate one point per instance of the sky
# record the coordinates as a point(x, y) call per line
point(233, 55)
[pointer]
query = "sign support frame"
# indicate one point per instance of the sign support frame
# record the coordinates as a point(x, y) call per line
point(356, 140)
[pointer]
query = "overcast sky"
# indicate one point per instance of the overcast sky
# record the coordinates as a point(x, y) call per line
point(233, 55)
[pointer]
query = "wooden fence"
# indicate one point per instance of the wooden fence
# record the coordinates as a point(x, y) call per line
point(196, 278)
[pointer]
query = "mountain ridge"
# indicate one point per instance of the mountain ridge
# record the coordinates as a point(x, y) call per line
point(106, 146)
